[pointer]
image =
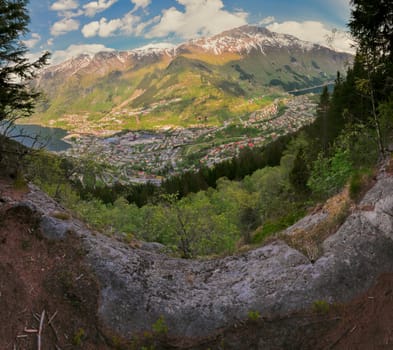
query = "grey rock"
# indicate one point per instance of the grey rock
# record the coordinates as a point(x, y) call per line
point(307, 222)
point(198, 297)
point(54, 229)
point(153, 247)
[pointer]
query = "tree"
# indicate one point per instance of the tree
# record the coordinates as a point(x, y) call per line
point(300, 173)
point(322, 113)
point(371, 25)
point(17, 98)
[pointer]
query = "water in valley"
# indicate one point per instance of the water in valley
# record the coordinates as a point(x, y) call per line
point(39, 137)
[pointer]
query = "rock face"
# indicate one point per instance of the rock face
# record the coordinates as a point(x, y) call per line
point(197, 298)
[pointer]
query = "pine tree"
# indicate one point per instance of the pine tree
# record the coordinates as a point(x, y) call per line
point(322, 113)
point(300, 173)
point(17, 98)
point(372, 27)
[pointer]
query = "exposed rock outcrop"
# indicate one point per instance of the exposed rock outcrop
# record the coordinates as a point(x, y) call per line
point(196, 298)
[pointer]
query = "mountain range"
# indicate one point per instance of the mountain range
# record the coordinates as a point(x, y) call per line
point(203, 81)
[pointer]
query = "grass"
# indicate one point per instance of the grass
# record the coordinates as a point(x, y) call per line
point(276, 225)
point(61, 215)
point(359, 183)
point(309, 241)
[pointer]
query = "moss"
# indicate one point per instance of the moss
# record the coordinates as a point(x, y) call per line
point(253, 315)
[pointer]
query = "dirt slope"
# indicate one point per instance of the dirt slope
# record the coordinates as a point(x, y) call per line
point(37, 275)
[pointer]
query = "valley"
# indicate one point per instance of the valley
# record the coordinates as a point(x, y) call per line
point(151, 156)
point(148, 114)
point(204, 82)
point(224, 186)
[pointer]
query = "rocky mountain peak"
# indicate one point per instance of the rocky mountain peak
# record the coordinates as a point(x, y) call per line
point(243, 40)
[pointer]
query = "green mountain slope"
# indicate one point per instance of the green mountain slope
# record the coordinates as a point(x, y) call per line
point(202, 82)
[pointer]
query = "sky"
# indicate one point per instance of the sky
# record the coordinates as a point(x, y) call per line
point(68, 28)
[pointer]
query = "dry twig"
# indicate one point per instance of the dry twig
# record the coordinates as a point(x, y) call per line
point(52, 326)
point(40, 330)
point(30, 330)
point(52, 317)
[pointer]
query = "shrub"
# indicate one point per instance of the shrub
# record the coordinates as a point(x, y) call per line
point(329, 175)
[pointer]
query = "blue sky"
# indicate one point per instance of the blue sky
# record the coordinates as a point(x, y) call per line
point(70, 27)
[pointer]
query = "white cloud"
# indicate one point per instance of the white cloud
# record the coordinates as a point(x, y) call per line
point(315, 32)
point(94, 7)
point(50, 42)
point(33, 41)
point(71, 14)
point(91, 29)
point(76, 50)
point(104, 28)
point(64, 26)
point(64, 5)
point(140, 4)
point(200, 17)
point(267, 20)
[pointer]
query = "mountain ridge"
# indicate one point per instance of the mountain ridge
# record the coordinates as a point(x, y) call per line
point(254, 35)
point(212, 78)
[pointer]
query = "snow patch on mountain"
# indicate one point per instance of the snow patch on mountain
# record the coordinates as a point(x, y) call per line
point(156, 49)
point(240, 40)
point(245, 39)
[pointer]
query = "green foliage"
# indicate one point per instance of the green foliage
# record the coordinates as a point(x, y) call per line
point(321, 307)
point(160, 327)
point(253, 315)
point(329, 174)
point(20, 182)
point(385, 110)
point(370, 25)
point(300, 172)
point(358, 182)
point(273, 226)
point(17, 100)
point(78, 337)
point(193, 226)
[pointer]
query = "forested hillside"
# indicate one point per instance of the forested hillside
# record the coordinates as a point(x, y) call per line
point(350, 135)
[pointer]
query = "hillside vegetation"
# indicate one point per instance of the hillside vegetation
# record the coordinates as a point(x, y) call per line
point(317, 163)
point(201, 83)
point(350, 135)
